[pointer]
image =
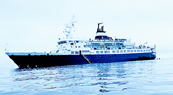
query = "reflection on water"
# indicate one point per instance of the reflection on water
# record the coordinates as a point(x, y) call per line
point(106, 77)
point(126, 77)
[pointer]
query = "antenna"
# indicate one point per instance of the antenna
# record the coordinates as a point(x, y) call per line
point(69, 28)
point(6, 44)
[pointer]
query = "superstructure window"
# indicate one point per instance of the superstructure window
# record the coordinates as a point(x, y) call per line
point(124, 51)
point(85, 50)
point(77, 41)
point(72, 52)
point(76, 52)
point(101, 51)
point(117, 51)
point(134, 50)
point(105, 51)
point(62, 42)
point(97, 51)
point(138, 50)
point(131, 50)
point(121, 51)
point(113, 51)
point(128, 50)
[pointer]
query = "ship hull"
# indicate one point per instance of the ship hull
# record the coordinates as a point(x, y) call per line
point(32, 61)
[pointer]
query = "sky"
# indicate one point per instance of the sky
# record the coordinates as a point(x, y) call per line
point(35, 25)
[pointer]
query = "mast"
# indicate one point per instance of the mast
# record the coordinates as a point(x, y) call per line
point(70, 29)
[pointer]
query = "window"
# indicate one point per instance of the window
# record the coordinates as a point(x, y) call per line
point(138, 50)
point(134, 50)
point(72, 52)
point(128, 50)
point(131, 50)
point(117, 51)
point(121, 51)
point(113, 51)
point(75, 46)
point(78, 46)
point(62, 42)
point(105, 51)
point(108, 51)
point(124, 51)
point(76, 52)
point(85, 51)
point(101, 51)
point(97, 51)
point(77, 41)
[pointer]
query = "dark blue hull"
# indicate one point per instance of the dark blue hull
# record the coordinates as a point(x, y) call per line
point(24, 61)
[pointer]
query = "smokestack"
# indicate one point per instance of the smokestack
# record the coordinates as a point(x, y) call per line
point(102, 28)
point(98, 27)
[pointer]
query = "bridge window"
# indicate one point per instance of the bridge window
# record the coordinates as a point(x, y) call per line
point(62, 42)
point(77, 41)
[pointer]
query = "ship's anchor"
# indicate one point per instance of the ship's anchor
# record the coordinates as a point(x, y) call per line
point(84, 57)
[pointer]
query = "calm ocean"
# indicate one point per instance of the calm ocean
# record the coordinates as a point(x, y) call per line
point(152, 77)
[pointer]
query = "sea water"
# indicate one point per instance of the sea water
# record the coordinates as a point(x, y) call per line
point(151, 77)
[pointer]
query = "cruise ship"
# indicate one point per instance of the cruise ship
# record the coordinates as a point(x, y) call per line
point(74, 51)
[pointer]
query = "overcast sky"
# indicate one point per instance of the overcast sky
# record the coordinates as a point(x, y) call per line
point(34, 25)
